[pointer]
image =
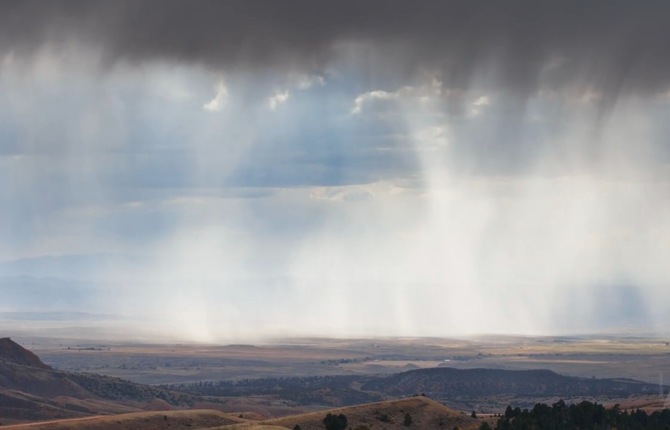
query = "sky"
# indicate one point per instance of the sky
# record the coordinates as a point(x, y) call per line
point(251, 169)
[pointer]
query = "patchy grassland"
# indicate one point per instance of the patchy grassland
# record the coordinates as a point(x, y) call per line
point(640, 358)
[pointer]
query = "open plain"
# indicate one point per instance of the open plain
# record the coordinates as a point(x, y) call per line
point(642, 358)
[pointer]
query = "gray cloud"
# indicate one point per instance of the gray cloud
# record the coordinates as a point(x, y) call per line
point(612, 47)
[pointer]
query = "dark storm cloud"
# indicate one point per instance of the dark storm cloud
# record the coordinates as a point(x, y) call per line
point(607, 46)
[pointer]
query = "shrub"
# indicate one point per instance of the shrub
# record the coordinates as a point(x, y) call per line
point(384, 418)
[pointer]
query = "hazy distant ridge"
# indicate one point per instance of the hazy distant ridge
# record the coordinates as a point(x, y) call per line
point(450, 382)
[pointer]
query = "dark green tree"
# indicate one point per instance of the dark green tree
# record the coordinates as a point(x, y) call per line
point(408, 420)
point(335, 422)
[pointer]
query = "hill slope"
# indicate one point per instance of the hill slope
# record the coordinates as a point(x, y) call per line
point(15, 353)
point(389, 415)
point(174, 420)
point(454, 383)
point(31, 390)
point(424, 413)
point(467, 389)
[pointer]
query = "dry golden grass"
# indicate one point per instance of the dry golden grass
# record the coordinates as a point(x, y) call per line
point(425, 413)
point(388, 415)
point(173, 420)
point(649, 404)
point(250, 426)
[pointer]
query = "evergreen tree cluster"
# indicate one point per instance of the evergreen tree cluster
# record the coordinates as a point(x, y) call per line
point(581, 416)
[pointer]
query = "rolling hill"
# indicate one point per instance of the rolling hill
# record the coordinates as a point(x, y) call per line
point(453, 383)
point(424, 413)
point(389, 415)
point(174, 420)
point(467, 389)
point(31, 390)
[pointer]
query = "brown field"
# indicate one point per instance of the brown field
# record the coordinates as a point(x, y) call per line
point(646, 359)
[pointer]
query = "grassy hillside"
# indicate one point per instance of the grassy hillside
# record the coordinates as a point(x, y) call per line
point(31, 390)
point(466, 389)
point(251, 426)
point(424, 414)
point(174, 420)
point(16, 406)
point(453, 383)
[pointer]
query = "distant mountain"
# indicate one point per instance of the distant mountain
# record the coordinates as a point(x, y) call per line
point(65, 283)
point(43, 294)
point(55, 316)
point(72, 266)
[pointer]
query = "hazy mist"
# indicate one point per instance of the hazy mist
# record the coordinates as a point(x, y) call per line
point(218, 171)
